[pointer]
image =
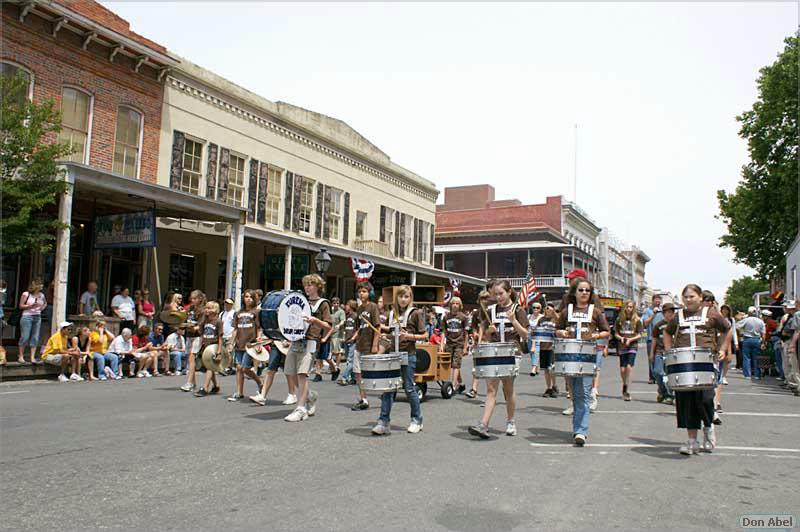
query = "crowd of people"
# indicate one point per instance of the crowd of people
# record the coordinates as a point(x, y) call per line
point(215, 337)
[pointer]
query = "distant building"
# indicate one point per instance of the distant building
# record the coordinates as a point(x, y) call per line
point(792, 290)
point(639, 260)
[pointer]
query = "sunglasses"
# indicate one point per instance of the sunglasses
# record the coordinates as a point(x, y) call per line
point(585, 290)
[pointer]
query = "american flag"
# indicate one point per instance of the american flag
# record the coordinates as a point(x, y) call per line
point(529, 291)
point(455, 285)
point(362, 269)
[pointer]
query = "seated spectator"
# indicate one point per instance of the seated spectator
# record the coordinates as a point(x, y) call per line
point(98, 345)
point(59, 352)
point(176, 346)
point(158, 349)
point(121, 347)
point(141, 358)
point(82, 342)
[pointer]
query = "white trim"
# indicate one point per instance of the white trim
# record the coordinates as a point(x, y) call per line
point(539, 244)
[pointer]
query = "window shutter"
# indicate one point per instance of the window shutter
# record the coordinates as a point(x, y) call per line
point(415, 237)
point(211, 171)
point(346, 219)
point(382, 236)
point(433, 240)
point(224, 163)
point(252, 190)
point(397, 218)
point(288, 201)
point(176, 168)
point(403, 235)
point(326, 216)
point(298, 189)
point(263, 173)
point(320, 208)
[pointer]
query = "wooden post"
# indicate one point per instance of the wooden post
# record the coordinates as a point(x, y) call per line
point(287, 269)
point(157, 278)
point(62, 258)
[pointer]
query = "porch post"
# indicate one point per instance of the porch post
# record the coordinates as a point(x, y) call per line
point(62, 257)
point(233, 270)
point(287, 269)
point(486, 265)
point(413, 277)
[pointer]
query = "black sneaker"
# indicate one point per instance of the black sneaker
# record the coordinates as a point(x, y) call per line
point(214, 390)
point(361, 405)
point(547, 392)
point(554, 392)
point(461, 388)
point(335, 374)
point(472, 394)
point(317, 378)
point(201, 392)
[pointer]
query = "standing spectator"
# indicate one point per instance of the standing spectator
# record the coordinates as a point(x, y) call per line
point(738, 335)
point(60, 352)
point(124, 308)
point(533, 347)
point(176, 345)
point(3, 296)
point(121, 347)
point(753, 330)
point(88, 302)
point(650, 317)
point(337, 324)
point(771, 339)
point(32, 303)
point(787, 330)
point(158, 349)
point(145, 309)
point(727, 313)
point(99, 341)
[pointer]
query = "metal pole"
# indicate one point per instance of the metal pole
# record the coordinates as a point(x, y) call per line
point(287, 269)
point(157, 278)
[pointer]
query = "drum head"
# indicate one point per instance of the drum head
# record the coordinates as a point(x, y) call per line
point(282, 315)
point(423, 361)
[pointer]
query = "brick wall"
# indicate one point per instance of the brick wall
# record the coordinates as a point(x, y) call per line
point(60, 60)
point(510, 217)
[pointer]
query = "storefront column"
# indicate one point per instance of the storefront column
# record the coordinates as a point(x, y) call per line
point(287, 269)
point(233, 273)
point(62, 258)
point(413, 277)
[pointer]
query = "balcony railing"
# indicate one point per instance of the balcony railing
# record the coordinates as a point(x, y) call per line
point(373, 247)
point(542, 281)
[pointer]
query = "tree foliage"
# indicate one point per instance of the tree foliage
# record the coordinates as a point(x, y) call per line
point(761, 215)
point(739, 294)
point(30, 179)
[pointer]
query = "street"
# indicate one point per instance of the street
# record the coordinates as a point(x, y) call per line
point(141, 455)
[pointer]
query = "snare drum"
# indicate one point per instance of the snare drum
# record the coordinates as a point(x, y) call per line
point(690, 368)
point(381, 373)
point(575, 358)
point(282, 315)
point(544, 335)
point(495, 360)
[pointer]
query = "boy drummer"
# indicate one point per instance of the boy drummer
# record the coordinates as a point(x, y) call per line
point(456, 335)
point(366, 338)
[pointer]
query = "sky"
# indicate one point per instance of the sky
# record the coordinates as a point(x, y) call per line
point(471, 93)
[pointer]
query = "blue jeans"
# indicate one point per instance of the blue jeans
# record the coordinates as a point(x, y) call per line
point(533, 349)
point(29, 330)
point(178, 358)
point(581, 397)
point(650, 369)
point(661, 379)
point(347, 372)
point(778, 356)
point(411, 393)
point(101, 360)
point(751, 347)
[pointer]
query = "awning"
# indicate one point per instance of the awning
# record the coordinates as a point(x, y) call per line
point(127, 194)
point(301, 242)
point(496, 246)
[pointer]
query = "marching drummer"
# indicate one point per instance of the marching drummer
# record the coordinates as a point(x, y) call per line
point(583, 320)
point(474, 327)
point(301, 353)
point(245, 331)
point(210, 337)
point(697, 326)
point(627, 332)
point(456, 334)
point(194, 313)
point(508, 322)
point(548, 323)
point(410, 327)
point(366, 339)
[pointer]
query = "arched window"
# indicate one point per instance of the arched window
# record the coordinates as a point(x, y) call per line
point(128, 144)
point(76, 119)
point(10, 70)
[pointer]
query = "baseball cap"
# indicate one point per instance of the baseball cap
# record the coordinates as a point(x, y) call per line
point(790, 304)
point(229, 301)
point(751, 309)
point(766, 312)
point(577, 273)
point(65, 324)
point(667, 306)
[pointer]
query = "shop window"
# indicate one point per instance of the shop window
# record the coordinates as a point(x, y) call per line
point(237, 185)
point(128, 142)
point(192, 166)
point(273, 199)
point(76, 112)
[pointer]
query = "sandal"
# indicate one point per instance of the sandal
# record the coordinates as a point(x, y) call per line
point(156, 374)
point(168, 374)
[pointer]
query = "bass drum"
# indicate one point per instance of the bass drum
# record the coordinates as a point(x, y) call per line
point(423, 361)
point(282, 315)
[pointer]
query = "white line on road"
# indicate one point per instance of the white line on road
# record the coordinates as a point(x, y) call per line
point(764, 414)
point(651, 446)
point(20, 391)
point(724, 392)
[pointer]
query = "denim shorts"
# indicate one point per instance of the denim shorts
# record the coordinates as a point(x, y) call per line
point(600, 358)
point(324, 351)
point(276, 360)
point(627, 359)
point(242, 359)
point(29, 330)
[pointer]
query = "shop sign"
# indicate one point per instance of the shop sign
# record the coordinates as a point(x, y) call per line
point(126, 230)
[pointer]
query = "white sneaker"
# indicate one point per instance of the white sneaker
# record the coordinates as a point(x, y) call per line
point(312, 403)
point(580, 440)
point(511, 428)
point(109, 373)
point(147, 374)
point(382, 430)
point(568, 411)
point(258, 398)
point(118, 378)
point(593, 403)
point(75, 377)
point(725, 381)
point(415, 427)
point(690, 448)
point(187, 387)
point(62, 378)
point(709, 439)
point(140, 375)
point(291, 399)
point(299, 414)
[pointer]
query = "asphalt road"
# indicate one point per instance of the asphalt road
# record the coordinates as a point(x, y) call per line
point(141, 455)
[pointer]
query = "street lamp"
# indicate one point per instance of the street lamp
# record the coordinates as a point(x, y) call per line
point(323, 261)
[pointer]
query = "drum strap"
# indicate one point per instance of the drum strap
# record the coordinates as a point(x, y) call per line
point(317, 304)
point(689, 325)
point(579, 319)
point(403, 318)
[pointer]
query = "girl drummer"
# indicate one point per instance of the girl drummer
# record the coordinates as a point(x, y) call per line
point(696, 407)
point(505, 309)
point(474, 327)
point(412, 323)
point(548, 321)
point(593, 326)
point(194, 313)
point(456, 335)
point(628, 332)
point(245, 331)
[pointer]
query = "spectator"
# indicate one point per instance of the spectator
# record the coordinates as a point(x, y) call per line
point(650, 317)
point(99, 341)
point(227, 316)
point(145, 309)
point(82, 342)
point(727, 313)
point(771, 339)
point(753, 330)
point(59, 352)
point(337, 323)
point(3, 296)
point(789, 326)
point(88, 302)
point(141, 358)
point(176, 345)
point(121, 347)
point(158, 349)
point(124, 308)
point(32, 303)
point(533, 347)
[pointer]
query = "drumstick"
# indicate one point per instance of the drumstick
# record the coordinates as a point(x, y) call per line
point(371, 326)
point(488, 319)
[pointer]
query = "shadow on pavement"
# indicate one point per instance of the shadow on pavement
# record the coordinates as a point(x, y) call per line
point(269, 416)
point(365, 430)
point(665, 450)
point(462, 434)
point(545, 435)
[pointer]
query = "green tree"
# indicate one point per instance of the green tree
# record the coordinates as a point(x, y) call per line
point(761, 215)
point(30, 180)
point(739, 294)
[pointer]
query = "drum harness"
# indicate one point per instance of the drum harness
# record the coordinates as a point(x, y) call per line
point(690, 324)
point(399, 323)
point(579, 318)
point(501, 319)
